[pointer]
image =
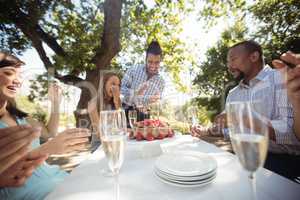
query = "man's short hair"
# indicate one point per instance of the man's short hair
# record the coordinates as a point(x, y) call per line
point(154, 48)
point(250, 46)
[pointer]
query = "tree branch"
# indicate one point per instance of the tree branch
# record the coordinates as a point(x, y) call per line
point(41, 51)
point(68, 79)
point(50, 41)
point(110, 42)
point(25, 22)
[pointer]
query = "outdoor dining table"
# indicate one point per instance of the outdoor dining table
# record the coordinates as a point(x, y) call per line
point(138, 181)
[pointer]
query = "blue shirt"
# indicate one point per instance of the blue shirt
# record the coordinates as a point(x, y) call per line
point(42, 181)
point(133, 80)
point(268, 87)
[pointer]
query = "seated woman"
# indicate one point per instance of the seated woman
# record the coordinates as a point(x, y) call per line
point(109, 100)
point(14, 169)
point(46, 177)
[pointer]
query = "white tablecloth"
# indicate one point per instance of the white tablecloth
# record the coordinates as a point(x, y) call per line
point(138, 182)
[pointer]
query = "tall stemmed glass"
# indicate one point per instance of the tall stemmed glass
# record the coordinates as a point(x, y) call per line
point(248, 130)
point(192, 115)
point(154, 110)
point(132, 116)
point(113, 127)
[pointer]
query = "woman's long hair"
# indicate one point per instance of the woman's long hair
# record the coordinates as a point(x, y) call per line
point(14, 111)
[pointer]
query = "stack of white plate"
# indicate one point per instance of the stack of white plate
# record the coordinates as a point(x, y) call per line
point(186, 168)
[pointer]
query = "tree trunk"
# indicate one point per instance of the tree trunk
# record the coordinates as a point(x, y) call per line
point(89, 89)
point(110, 46)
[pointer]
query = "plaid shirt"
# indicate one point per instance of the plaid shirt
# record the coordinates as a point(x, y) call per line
point(268, 87)
point(133, 80)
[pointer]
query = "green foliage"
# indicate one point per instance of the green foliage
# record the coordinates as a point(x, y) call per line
point(12, 39)
point(77, 26)
point(213, 10)
point(163, 22)
point(279, 25)
point(35, 110)
point(273, 23)
point(180, 117)
point(38, 88)
point(214, 77)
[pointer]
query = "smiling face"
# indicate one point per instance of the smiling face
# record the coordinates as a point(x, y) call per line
point(10, 82)
point(238, 62)
point(153, 63)
point(112, 82)
point(244, 62)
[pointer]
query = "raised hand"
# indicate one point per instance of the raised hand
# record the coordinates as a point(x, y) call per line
point(54, 93)
point(15, 143)
point(292, 75)
point(116, 96)
point(18, 173)
point(69, 140)
point(292, 83)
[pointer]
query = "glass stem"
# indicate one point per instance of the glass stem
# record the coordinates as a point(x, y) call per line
point(117, 186)
point(253, 185)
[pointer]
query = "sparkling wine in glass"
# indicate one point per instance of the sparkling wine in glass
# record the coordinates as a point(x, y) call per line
point(155, 110)
point(113, 127)
point(192, 115)
point(248, 130)
point(113, 146)
point(132, 116)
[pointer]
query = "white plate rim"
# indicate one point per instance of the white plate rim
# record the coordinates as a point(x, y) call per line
point(186, 178)
point(184, 185)
point(163, 168)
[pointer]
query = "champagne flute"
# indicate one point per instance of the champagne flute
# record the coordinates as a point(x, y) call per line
point(132, 116)
point(141, 108)
point(248, 131)
point(192, 115)
point(154, 110)
point(113, 127)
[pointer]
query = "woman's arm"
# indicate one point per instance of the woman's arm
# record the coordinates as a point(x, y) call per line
point(55, 97)
point(15, 143)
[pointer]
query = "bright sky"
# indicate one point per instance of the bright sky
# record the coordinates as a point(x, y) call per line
point(193, 34)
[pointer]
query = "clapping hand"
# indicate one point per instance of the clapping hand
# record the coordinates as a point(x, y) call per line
point(69, 140)
point(18, 173)
point(116, 96)
point(54, 93)
point(15, 143)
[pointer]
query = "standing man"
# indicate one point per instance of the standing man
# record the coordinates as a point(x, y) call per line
point(262, 83)
point(143, 84)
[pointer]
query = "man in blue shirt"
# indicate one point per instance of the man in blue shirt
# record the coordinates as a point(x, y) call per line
point(142, 84)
